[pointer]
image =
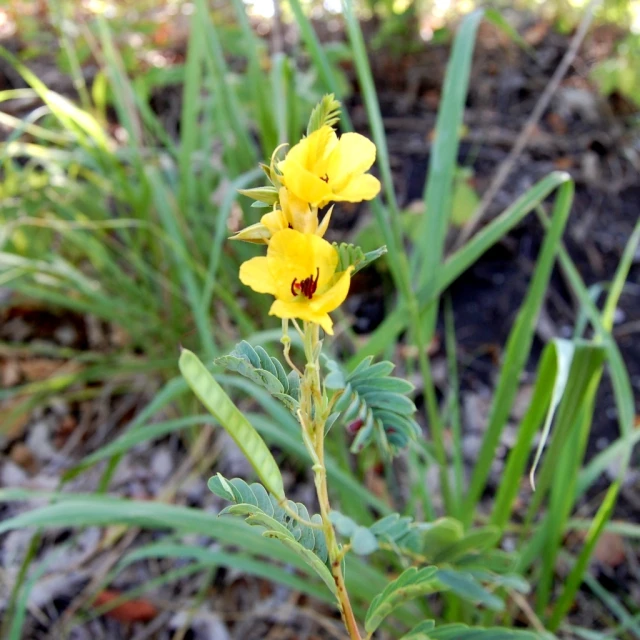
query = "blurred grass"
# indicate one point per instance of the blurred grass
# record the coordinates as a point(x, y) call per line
point(130, 228)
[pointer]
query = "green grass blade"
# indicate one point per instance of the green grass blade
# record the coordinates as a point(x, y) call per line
point(189, 123)
point(171, 391)
point(517, 350)
point(572, 583)
point(628, 622)
point(432, 230)
point(87, 129)
point(622, 272)
point(258, 85)
point(563, 461)
point(564, 352)
point(125, 102)
point(239, 150)
point(167, 211)
point(84, 510)
point(134, 437)
point(220, 234)
point(240, 561)
point(518, 456)
point(317, 54)
point(623, 390)
point(20, 613)
point(454, 406)
point(603, 460)
point(367, 86)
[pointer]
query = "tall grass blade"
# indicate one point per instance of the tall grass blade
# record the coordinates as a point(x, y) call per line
point(431, 232)
point(564, 350)
point(517, 350)
point(166, 207)
point(258, 84)
point(572, 583)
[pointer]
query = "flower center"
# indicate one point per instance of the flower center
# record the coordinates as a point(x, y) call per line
point(306, 287)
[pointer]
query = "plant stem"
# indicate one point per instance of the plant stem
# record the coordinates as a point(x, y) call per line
point(344, 603)
point(314, 410)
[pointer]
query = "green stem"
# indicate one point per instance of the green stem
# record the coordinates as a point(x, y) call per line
point(313, 414)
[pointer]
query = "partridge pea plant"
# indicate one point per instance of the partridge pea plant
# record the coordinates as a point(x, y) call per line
point(309, 278)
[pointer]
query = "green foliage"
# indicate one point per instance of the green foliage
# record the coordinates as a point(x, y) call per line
point(236, 425)
point(325, 114)
point(362, 540)
point(465, 199)
point(427, 631)
point(398, 33)
point(257, 365)
point(258, 508)
point(267, 512)
point(620, 72)
point(370, 395)
point(353, 256)
point(412, 583)
point(264, 195)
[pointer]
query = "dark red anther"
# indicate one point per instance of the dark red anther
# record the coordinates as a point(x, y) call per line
point(307, 286)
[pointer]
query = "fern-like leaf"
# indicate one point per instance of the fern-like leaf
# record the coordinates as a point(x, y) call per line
point(351, 255)
point(257, 365)
point(410, 584)
point(325, 114)
point(376, 404)
point(259, 508)
point(413, 583)
point(362, 540)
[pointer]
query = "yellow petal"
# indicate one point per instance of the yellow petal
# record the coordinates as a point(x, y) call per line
point(301, 311)
point(322, 228)
point(255, 274)
point(326, 260)
point(290, 255)
point(363, 187)
point(294, 255)
point(354, 154)
point(274, 221)
point(305, 185)
point(333, 297)
point(297, 212)
point(315, 148)
point(310, 150)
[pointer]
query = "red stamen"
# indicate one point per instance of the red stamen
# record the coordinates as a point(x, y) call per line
point(307, 286)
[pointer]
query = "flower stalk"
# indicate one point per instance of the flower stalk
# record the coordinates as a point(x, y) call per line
point(314, 411)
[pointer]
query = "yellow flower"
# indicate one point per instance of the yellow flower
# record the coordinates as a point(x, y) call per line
point(292, 214)
point(322, 168)
point(300, 271)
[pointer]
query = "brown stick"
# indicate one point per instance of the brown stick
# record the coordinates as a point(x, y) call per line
point(543, 102)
